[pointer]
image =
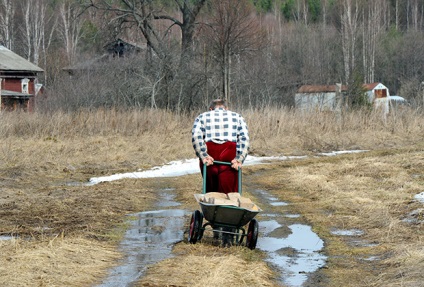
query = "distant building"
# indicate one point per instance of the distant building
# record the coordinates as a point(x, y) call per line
point(378, 94)
point(121, 48)
point(18, 82)
point(116, 49)
point(329, 97)
point(319, 97)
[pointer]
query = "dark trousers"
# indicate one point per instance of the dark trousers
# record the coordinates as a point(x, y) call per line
point(219, 177)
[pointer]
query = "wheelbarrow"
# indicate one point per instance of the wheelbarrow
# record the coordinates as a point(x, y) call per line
point(226, 220)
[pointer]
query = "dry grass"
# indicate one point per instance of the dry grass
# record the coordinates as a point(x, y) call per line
point(54, 262)
point(372, 191)
point(203, 265)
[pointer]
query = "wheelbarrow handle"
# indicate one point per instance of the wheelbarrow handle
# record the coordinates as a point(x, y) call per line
point(223, 163)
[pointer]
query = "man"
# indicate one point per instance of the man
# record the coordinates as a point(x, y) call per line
point(221, 135)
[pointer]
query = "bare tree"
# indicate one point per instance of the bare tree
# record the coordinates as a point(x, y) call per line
point(34, 20)
point(349, 30)
point(373, 25)
point(233, 31)
point(397, 15)
point(70, 28)
point(142, 14)
point(414, 14)
point(7, 11)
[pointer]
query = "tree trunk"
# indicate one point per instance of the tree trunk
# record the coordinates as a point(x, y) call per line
point(6, 22)
point(349, 27)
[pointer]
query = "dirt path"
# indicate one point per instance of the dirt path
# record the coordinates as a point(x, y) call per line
point(289, 245)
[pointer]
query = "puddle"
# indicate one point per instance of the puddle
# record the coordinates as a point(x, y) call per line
point(347, 232)
point(76, 183)
point(293, 250)
point(149, 240)
point(303, 256)
point(167, 199)
point(5, 238)
point(292, 215)
point(279, 203)
point(415, 216)
point(371, 258)
point(361, 243)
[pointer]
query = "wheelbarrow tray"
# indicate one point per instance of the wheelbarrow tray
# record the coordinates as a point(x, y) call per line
point(226, 215)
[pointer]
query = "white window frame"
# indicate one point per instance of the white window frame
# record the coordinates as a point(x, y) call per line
point(25, 86)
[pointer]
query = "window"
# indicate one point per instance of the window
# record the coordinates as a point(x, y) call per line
point(25, 86)
point(380, 93)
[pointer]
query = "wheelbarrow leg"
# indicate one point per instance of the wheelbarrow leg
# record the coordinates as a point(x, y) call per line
point(217, 234)
point(228, 238)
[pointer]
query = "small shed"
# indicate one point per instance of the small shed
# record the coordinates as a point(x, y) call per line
point(319, 97)
point(18, 81)
point(378, 94)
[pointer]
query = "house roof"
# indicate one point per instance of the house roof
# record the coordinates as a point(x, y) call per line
point(15, 94)
point(319, 88)
point(370, 86)
point(111, 47)
point(10, 61)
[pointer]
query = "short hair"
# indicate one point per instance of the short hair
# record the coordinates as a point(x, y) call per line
point(217, 102)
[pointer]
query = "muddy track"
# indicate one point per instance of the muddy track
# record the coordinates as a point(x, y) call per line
point(289, 245)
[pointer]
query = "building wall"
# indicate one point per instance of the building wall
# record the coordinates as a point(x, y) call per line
point(379, 97)
point(316, 101)
point(15, 85)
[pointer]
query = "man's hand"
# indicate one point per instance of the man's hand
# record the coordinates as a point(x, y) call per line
point(236, 164)
point(208, 160)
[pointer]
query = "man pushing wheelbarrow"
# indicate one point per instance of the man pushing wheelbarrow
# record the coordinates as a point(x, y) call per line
point(220, 136)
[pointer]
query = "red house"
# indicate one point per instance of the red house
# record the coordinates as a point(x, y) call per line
point(18, 82)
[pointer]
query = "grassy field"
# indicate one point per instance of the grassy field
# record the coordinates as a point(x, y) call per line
point(66, 234)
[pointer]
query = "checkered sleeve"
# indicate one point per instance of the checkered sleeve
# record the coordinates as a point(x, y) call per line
point(243, 141)
point(197, 137)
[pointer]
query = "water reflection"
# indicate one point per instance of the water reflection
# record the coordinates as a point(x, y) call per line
point(149, 240)
point(303, 256)
point(167, 199)
point(295, 256)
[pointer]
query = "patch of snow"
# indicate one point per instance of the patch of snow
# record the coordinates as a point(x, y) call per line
point(350, 232)
point(333, 153)
point(420, 197)
point(190, 166)
point(177, 168)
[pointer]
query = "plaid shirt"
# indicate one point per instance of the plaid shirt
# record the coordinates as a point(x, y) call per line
point(220, 126)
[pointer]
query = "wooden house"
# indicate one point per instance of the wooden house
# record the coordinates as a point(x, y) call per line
point(18, 81)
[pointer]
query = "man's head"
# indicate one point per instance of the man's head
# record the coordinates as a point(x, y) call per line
point(218, 103)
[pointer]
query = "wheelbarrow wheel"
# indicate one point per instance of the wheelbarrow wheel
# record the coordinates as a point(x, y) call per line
point(252, 234)
point(195, 227)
